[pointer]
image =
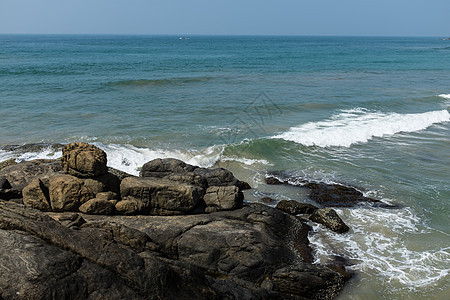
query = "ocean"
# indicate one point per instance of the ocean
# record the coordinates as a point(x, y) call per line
point(368, 112)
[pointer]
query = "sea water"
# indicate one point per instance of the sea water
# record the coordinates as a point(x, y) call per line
point(369, 112)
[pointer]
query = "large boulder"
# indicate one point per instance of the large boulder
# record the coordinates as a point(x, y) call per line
point(162, 196)
point(105, 183)
point(217, 177)
point(84, 160)
point(177, 170)
point(222, 191)
point(67, 193)
point(160, 168)
point(36, 195)
point(223, 198)
point(97, 207)
point(131, 207)
point(330, 219)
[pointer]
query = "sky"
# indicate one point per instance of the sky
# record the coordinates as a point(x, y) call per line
point(231, 17)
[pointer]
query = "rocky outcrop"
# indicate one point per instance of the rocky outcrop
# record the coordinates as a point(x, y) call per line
point(330, 219)
point(36, 195)
point(100, 249)
point(246, 253)
point(84, 160)
point(221, 190)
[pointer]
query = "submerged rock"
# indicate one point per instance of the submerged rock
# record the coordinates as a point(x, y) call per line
point(325, 194)
point(330, 219)
point(336, 195)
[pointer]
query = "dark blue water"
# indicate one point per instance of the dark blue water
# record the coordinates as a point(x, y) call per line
point(365, 111)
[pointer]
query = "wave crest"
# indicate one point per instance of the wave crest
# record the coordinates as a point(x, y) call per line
point(359, 126)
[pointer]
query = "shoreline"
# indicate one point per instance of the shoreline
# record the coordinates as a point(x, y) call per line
point(41, 182)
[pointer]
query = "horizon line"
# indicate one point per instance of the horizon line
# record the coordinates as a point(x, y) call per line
point(219, 34)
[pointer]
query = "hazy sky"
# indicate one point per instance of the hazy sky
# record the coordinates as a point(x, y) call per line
point(246, 17)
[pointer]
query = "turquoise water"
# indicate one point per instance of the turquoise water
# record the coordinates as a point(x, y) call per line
point(363, 111)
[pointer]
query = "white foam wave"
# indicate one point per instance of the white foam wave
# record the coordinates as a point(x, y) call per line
point(360, 125)
point(45, 153)
point(246, 161)
point(379, 247)
point(445, 96)
point(129, 158)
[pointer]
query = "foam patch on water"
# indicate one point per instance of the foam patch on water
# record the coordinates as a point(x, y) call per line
point(378, 246)
point(445, 96)
point(359, 126)
point(129, 158)
point(45, 153)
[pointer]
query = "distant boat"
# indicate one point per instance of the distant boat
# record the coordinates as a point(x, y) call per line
point(184, 38)
point(447, 39)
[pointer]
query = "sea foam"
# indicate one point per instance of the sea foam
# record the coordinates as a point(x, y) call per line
point(360, 125)
point(445, 96)
point(378, 246)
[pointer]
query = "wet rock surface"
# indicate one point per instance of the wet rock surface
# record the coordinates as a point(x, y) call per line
point(293, 207)
point(330, 219)
point(325, 194)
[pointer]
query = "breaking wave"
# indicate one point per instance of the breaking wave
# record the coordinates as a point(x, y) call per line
point(359, 126)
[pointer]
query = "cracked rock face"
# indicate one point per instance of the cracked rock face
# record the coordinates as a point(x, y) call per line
point(84, 160)
point(223, 255)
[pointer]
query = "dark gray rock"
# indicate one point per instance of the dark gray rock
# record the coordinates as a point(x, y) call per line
point(161, 168)
point(293, 207)
point(330, 219)
point(308, 282)
point(267, 200)
point(4, 184)
point(246, 243)
point(41, 259)
point(217, 177)
point(273, 180)
point(336, 195)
